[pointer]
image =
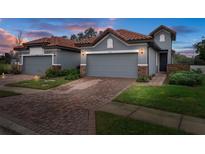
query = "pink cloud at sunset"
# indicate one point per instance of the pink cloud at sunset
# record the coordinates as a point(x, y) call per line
point(7, 41)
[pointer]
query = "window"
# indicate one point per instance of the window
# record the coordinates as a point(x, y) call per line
point(109, 43)
point(162, 38)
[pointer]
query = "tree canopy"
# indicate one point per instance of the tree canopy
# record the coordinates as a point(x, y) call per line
point(200, 48)
point(88, 33)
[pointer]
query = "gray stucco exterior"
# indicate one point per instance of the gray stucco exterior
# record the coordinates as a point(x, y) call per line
point(68, 59)
point(152, 61)
point(166, 45)
point(118, 45)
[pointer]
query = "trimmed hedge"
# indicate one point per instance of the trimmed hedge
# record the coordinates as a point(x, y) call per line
point(186, 78)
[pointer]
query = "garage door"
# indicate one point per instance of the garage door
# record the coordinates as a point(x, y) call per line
point(112, 65)
point(36, 64)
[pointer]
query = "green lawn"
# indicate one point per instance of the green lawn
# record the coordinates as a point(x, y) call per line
point(42, 84)
point(4, 93)
point(179, 99)
point(109, 124)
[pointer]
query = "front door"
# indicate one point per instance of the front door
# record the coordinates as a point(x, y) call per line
point(163, 62)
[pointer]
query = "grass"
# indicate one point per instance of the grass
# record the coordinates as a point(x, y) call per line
point(42, 84)
point(4, 93)
point(173, 98)
point(110, 124)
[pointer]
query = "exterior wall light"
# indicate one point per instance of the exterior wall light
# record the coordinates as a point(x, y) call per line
point(83, 53)
point(141, 51)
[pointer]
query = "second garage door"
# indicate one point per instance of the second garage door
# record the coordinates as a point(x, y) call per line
point(36, 64)
point(112, 65)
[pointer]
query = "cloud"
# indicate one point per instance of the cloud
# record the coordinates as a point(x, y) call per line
point(185, 29)
point(49, 27)
point(37, 34)
point(7, 41)
point(82, 26)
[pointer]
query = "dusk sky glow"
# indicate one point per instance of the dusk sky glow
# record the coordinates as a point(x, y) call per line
point(188, 30)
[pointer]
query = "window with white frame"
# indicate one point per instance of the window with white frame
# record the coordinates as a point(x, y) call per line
point(162, 38)
point(109, 43)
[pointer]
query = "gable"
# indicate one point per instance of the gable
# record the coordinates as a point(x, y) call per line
point(118, 44)
point(163, 44)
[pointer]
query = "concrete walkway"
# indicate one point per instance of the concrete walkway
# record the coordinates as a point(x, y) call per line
point(179, 121)
point(158, 79)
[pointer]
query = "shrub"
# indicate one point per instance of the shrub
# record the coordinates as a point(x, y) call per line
point(198, 70)
point(73, 74)
point(186, 78)
point(72, 77)
point(5, 68)
point(51, 73)
point(143, 79)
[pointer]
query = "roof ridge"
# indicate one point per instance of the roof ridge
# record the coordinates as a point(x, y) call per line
point(134, 32)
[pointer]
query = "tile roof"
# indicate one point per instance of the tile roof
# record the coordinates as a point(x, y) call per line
point(50, 42)
point(123, 34)
point(173, 32)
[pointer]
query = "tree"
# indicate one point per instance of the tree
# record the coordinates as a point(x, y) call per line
point(181, 59)
point(90, 32)
point(73, 37)
point(80, 35)
point(19, 38)
point(200, 48)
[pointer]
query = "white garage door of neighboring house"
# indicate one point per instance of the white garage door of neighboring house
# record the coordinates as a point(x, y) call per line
point(112, 65)
point(36, 64)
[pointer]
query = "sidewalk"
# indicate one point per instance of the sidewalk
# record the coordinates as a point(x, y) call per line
point(179, 121)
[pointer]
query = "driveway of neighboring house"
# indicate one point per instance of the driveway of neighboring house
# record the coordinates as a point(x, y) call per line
point(68, 109)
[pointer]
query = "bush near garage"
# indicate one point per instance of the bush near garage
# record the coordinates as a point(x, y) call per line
point(143, 79)
point(69, 73)
point(73, 74)
point(188, 78)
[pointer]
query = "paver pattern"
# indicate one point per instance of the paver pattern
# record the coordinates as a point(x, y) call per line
point(67, 109)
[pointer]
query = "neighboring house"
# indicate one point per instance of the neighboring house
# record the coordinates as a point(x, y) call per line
point(114, 53)
point(39, 55)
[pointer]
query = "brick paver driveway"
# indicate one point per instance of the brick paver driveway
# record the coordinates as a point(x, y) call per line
point(68, 109)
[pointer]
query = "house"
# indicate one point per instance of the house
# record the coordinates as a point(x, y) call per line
point(122, 53)
point(39, 55)
point(114, 53)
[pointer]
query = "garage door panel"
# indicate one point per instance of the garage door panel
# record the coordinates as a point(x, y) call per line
point(36, 64)
point(112, 65)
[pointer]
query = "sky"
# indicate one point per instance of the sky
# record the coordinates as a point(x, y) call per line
point(189, 30)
